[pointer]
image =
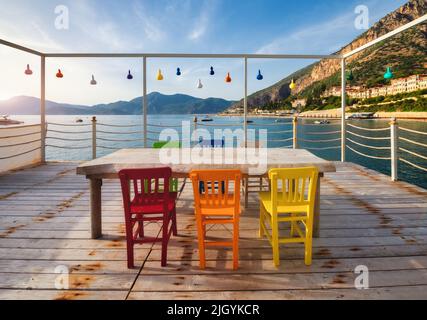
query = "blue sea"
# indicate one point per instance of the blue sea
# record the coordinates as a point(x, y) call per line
point(80, 136)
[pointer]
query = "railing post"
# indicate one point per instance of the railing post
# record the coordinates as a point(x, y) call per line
point(343, 107)
point(43, 127)
point(245, 103)
point(295, 130)
point(394, 148)
point(144, 100)
point(93, 137)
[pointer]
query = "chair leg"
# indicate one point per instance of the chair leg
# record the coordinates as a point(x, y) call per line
point(261, 221)
point(131, 262)
point(308, 247)
point(236, 243)
point(275, 240)
point(174, 224)
point(129, 245)
point(201, 238)
point(165, 240)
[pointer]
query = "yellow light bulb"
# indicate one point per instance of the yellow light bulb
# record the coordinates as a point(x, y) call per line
point(159, 75)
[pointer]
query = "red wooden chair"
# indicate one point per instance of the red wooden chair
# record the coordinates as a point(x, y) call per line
point(149, 200)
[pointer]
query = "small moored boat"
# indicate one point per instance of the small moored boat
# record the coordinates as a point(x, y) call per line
point(5, 121)
point(207, 119)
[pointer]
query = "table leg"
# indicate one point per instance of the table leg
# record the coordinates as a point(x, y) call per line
point(95, 207)
point(316, 218)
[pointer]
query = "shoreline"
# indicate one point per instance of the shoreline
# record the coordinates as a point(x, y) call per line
point(335, 115)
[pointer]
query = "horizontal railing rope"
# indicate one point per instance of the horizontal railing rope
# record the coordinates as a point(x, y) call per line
point(317, 125)
point(323, 148)
point(317, 141)
point(20, 144)
point(118, 132)
point(280, 132)
point(120, 140)
point(368, 129)
point(413, 153)
point(69, 124)
point(69, 132)
point(281, 140)
point(163, 126)
point(367, 155)
point(269, 124)
point(413, 131)
point(413, 142)
point(366, 137)
point(67, 147)
point(68, 139)
point(21, 135)
point(118, 125)
point(322, 133)
point(219, 125)
point(368, 146)
point(20, 154)
point(109, 148)
point(413, 164)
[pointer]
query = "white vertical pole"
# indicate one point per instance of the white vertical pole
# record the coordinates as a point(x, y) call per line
point(343, 107)
point(394, 148)
point(245, 105)
point(43, 108)
point(94, 137)
point(295, 132)
point(144, 99)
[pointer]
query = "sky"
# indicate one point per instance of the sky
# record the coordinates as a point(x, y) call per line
point(169, 26)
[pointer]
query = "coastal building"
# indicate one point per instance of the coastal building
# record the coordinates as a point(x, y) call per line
point(401, 85)
point(299, 103)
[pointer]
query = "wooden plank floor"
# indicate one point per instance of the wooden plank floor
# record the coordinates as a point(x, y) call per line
point(365, 220)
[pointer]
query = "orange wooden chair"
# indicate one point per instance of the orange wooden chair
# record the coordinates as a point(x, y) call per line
point(217, 203)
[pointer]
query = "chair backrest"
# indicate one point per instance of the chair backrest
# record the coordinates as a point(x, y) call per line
point(293, 186)
point(145, 185)
point(212, 143)
point(166, 144)
point(221, 188)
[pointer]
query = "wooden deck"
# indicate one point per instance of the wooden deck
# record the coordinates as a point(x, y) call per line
point(365, 220)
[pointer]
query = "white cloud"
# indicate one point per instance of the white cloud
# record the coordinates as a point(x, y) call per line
point(152, 27)
point(203, 20)
point(320, 38)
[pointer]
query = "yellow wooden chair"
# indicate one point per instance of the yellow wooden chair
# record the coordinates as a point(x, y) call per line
point(291, 199)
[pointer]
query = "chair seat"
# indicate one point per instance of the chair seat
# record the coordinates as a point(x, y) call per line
point(152, 207)
point(265, 199)
point(223, 211)
point(217, 208)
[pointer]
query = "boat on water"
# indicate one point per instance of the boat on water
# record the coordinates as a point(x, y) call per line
point(5, 121)
point(207, 119)
point(322, 122)
point(362, 115)
point(79, 120)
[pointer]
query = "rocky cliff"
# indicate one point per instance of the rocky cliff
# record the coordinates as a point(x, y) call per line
point(412, 46)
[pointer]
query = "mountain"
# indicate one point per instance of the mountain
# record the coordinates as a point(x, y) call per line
point(406, 53)
point(157, 104)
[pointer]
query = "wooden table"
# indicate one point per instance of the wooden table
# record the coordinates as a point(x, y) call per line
point(107, 167)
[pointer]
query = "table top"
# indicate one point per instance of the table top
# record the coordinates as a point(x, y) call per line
point(252, 161)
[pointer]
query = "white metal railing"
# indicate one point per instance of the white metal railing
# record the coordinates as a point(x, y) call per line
point(19, 146)
point(364, 145)
point(413, 154)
